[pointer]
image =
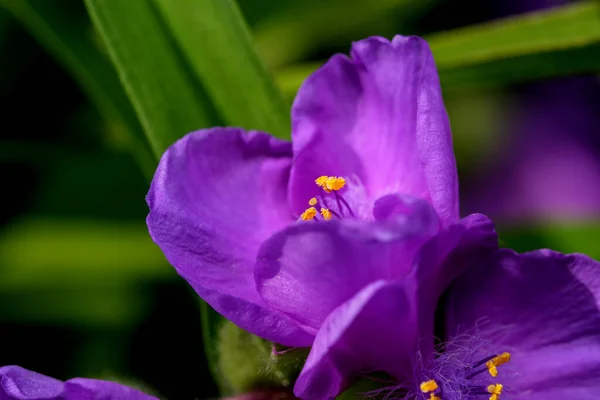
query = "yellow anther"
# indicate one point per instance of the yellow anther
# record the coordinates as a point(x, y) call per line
point(497, 361)
point(326, 214)
point(321, 180)
point(330, 183)
point(428, 386)
point(312, 201)
point(309, 214)
point(334, 183)
point(502, 358)
point(495, 390)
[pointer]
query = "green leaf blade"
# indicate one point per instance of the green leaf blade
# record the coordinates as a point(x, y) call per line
point(533, 33)
point(562, 41)
point(556, 42)
point(217, 44)
point(169, 101)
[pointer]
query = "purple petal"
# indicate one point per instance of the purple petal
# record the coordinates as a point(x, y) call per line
point(455, 249)
point(217, 194)
point(379, 116)
point(544, 308)
point(383, 326)
point(18, 383)
point(94, 389)
point(310, 268)
point(376, 329)
point(442, 260)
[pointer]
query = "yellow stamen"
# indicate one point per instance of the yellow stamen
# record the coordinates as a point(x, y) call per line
point(312, 201)
point(330, 183)
point(495, 362)
point(309, 214)
point(335, 183)
point(428, 386)
point(495, 390)
point(434, 397)
point(326, 214)
point(321, 180)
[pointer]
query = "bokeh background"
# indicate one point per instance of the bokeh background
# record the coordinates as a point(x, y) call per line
point(85, 292)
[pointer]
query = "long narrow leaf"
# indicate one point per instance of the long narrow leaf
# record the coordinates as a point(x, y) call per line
point(303, 26)
point(562, 41)
point(168, 85)
point(216, 42)
point(166, 95)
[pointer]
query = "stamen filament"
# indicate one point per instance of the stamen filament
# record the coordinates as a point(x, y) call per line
point(334, 213)
point(478, 363)
point(340, 198)
point(474, 374)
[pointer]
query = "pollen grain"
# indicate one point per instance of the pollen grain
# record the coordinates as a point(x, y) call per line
point(330, 183)
point(335, 183)
point(495, 390)
point(428, 386)
point(326, 214)
point(309, 214)
point(321, 180)
point(497, 361)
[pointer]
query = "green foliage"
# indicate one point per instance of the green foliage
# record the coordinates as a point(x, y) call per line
point(562, 41)
point(92, 305)
point(247, 363)
point(186, 68)
point(165, 93)
point(563, 236)
point(216, 43)
point(300, 28)
point(45, 253)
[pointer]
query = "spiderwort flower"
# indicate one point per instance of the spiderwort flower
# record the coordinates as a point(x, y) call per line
point(18, 383)
point(354, 223)
point(515, 326)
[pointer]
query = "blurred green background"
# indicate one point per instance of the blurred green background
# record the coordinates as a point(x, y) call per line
point(85, 292)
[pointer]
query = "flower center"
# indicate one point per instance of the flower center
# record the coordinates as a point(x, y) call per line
point(489, 364)
point(331, 186)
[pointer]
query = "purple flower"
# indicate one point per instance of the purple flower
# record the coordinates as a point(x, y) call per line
point(553, 132)
point(342, 240)
point(17, 383)
point(514, 327)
